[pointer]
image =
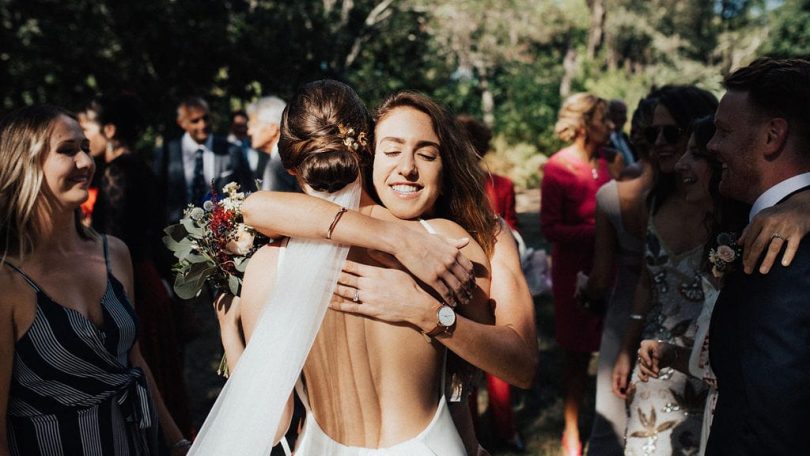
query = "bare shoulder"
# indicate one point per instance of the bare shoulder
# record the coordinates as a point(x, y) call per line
point(118, 251)
point(453, 230)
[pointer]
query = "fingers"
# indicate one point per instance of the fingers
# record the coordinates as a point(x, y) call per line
point(459, 243)
point(348, 293)
point(389, 261)
point(349, 280)
point(620, 385)
point(790, 251)
point(770, 256)
point(343, 305)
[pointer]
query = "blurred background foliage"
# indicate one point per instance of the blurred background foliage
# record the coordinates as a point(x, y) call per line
point(509, 62)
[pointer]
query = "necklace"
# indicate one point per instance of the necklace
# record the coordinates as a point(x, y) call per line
point(594, 173)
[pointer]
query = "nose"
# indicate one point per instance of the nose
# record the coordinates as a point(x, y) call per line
point(406, 166)
point(83, 160)
point(682, 165)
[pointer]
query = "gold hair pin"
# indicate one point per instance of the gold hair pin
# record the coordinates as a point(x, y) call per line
point(348, 136)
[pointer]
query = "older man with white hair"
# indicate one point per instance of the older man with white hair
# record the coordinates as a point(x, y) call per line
point(264, 127)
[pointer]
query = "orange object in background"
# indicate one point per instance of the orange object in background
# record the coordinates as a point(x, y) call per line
point(87, 206)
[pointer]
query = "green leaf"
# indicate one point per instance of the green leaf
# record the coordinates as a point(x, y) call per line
point(240, 263)
point(188, 285)
point(233, 284)
point(192, 228)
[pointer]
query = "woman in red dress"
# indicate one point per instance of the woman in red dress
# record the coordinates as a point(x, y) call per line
point(571, 179)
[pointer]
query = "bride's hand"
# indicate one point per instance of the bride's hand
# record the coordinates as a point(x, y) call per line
point(439, 263)
point(389, 295)
point(227, 308)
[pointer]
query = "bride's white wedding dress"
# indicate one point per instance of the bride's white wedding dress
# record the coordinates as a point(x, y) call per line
point(247, 413)
point(440, 437)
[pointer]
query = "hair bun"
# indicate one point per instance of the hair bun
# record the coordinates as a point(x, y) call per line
point(330, 170)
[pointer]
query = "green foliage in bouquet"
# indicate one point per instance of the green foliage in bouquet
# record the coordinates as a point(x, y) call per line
point(212, 244)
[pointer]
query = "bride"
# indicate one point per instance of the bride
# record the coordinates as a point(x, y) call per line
point(369, 385)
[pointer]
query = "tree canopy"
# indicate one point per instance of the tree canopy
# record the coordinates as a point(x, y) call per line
point(509, 62)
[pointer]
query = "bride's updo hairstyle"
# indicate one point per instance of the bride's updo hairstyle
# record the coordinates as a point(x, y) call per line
point(325, 135)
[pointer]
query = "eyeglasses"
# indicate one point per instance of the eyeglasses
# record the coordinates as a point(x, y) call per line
point(672, 133)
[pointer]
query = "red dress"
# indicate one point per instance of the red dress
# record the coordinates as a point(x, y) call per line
point(501, 195)
point(568, 220)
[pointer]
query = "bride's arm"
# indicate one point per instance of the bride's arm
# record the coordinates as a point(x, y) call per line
point(432, 259)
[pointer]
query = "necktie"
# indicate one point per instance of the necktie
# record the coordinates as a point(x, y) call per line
point(198, 186)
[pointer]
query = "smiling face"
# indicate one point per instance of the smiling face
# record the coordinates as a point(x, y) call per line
point(407, 163)
point(92, 130)
point(665, 151)
point(734, 143)
point(694, 172)
point(68, 167)
point(195, 121)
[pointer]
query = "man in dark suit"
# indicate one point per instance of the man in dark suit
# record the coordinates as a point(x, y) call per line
point(187, 166)
point(760, 330)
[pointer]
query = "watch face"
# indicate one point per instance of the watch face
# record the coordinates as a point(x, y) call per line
point(447, 316)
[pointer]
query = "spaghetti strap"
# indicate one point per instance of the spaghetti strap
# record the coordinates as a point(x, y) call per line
point(24, 276)
point(106, 253)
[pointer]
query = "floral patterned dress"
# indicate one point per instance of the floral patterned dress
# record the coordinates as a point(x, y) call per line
point(665, 414)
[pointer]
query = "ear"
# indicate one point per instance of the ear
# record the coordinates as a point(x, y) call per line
point(776, 133)
point(109, 131)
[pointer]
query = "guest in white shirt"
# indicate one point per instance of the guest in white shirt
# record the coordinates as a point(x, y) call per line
point(264, 119)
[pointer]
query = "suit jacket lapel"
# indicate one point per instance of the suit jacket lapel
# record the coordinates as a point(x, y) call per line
point(177, 174)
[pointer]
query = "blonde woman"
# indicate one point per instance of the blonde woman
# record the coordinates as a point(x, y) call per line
point(72, 379)
point(571, 179)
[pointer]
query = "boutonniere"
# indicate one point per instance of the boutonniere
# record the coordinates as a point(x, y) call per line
point(724, 255)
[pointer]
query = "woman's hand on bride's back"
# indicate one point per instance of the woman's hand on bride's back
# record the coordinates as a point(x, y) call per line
point(386, 294)
point(439, 263)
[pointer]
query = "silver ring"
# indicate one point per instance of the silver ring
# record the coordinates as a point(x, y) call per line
point(356, 297)
point(776, 235)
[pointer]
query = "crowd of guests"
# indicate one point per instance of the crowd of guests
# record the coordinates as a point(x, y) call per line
point(636, 223)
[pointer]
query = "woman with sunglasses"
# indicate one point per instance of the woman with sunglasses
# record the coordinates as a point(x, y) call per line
point(665, 414)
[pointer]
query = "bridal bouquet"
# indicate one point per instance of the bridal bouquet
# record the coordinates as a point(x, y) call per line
point(212, 244)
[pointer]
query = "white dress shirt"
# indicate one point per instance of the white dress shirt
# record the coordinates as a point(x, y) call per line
point(190, 147)
point(778, 192)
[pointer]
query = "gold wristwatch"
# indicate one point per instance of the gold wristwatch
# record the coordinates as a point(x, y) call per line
point(445, 322)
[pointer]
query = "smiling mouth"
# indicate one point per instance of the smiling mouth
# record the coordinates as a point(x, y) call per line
point(689, 180)
point(406, 189)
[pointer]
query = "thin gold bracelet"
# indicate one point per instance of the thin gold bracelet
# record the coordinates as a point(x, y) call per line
point(335, 221)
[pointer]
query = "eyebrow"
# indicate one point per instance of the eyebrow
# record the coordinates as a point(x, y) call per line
point(419, 144)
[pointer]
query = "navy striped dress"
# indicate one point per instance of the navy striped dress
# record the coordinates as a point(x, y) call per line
point(73, 389)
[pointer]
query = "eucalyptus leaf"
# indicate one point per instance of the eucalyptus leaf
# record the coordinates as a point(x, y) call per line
point(187, 285)
point(233, 285)
point(192, 229)
point(240, 263)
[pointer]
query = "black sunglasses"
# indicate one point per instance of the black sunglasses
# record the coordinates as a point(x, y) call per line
point(672, 133)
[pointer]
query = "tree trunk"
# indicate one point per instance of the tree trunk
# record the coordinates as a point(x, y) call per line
point(596, 31)
point(569, 69)
point(487, 101)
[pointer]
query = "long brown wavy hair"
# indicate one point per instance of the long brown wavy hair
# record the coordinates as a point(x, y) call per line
point(462, 197)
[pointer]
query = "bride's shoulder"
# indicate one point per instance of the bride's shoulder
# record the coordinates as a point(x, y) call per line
point(453, 230)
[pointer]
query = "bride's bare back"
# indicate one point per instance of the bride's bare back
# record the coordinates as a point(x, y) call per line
point(370, 384)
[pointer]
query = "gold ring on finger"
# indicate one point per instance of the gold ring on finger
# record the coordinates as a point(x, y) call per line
point(776, 235)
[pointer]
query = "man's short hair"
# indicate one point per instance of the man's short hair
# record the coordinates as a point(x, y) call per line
point(238, 113)
point(778, 88)
point(267, 110)
point(191, 102)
